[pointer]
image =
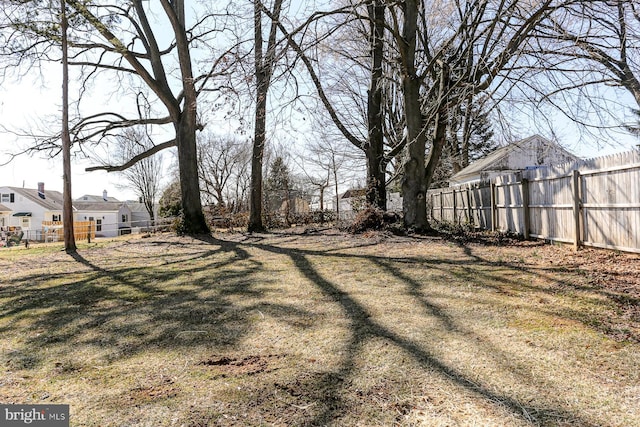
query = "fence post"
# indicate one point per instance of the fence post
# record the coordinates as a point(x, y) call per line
point(89, 232)
point(431, 204)
point(455, 214)
point(526, 217)
point(494, 215)
point(576, 209)
point(441, 206)
point(469, 210)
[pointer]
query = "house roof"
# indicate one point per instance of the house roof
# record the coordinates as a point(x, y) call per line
point(52, 200)
point(494, 157)
point(137, 207)
point(98, 206)
point(93, 198)
point(3, 208)
point(360, 192)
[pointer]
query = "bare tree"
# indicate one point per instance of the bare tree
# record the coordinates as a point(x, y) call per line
point(363, 129)
point(145, 175)
point(222, 162)
point(129, 46)
point(263, 62)
point(584, 50)
point(440, 66)
point(67, 209)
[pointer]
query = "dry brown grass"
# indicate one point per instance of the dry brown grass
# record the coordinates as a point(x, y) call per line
point(294, 329)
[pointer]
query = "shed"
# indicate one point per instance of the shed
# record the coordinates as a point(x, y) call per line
point(529, 153)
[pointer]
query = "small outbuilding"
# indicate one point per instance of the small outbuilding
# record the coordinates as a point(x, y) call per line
point(529, 153)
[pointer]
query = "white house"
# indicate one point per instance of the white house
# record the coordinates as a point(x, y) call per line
point(111, 218)
point(352, 201)
point(27, 208)
point(5, 213)
point(528, 153)
point(92, 198)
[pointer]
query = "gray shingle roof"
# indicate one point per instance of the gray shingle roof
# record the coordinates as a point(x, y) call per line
point(97, 206)
point(52, 200)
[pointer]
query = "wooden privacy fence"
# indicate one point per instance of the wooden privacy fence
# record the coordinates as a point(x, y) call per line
point(52, 231)
point(593, 202)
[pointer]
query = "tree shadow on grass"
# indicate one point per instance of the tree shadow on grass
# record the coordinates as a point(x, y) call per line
point(159, 300)
point(145, 301)
point(592, 295)
point(364, 329)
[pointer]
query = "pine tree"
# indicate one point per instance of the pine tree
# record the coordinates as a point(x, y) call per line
point(278, 186)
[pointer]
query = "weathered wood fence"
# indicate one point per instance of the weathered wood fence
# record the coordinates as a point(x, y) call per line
point(52, 231)
point(594, 202)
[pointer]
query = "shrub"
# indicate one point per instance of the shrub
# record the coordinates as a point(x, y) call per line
point(370, 218)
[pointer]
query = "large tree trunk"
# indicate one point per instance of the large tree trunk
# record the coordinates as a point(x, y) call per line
point(376, 177)
point(194, 221)
point(185, 125)
point(414, 188)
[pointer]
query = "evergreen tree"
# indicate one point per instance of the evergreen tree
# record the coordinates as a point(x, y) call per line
point(278, 185)
point(469, 137)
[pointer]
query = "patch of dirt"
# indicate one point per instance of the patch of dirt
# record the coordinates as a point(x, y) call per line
point(161, 389)
point(249, 365)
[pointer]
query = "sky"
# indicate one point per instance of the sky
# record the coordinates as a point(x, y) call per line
point(25, 103)
point(22, 105)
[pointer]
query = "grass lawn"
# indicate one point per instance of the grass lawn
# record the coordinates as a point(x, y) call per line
point(293, 329)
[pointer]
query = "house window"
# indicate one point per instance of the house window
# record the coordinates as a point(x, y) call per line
point(125, 218)
point(55, 217)
point(8, 198)
point(98, 225)
point(26, 222)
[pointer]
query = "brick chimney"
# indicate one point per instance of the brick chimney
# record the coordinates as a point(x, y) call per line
point(41, 190)
point(104, 195)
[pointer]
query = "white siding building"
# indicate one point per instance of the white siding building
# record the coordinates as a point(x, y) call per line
point(27, 208)
point(529, 153)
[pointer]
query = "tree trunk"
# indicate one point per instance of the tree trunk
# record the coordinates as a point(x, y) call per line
point(440, 128)
point(263, 67)
point(67, 203)
point(414, 188)
point(255, 201)
point(259, 139)
point(194, 221)
point(374, 151)
point(185, 125)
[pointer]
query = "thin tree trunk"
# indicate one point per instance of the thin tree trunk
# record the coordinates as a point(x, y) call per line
point(440, 127)
point(263, 68)
point(67, 203)
point(260, 125)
